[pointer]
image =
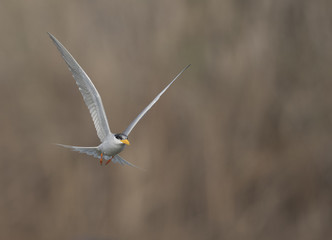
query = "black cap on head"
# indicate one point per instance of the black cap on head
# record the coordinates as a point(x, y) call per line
point(120, 136)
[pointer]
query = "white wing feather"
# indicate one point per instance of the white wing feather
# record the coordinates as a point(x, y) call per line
point(147, 108)
point(89, 92)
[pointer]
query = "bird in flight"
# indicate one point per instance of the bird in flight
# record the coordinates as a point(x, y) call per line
point(111, 144)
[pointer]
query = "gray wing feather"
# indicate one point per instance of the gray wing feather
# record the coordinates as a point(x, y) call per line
point(89, 92)
point(136, 120)
point(118, 159)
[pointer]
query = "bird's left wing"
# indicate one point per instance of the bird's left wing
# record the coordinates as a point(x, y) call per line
point(136, 120)
point(89, 92)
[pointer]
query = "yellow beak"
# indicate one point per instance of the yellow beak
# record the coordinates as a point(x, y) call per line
point(125, 142)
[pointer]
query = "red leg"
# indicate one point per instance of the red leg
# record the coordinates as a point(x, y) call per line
point(108, 161)
point(101, 159)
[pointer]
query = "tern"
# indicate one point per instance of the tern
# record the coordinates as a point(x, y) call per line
point(111, 144)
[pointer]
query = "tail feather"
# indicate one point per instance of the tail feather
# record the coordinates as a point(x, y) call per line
point(92, 151)
point(118, 159)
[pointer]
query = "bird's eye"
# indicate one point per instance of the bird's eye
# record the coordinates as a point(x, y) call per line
point(120, 136)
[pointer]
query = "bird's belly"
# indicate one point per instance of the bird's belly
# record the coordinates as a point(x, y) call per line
point(112, 150)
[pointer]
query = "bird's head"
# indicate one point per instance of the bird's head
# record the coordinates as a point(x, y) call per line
point(123, 139)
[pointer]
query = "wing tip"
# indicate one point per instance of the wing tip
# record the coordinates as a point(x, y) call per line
point(182, 71)
point(54, 40)
point(50, 35)
point(187, 66)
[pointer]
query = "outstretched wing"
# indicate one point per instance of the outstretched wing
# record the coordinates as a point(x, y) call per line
point(136, 120)
point(89, 92)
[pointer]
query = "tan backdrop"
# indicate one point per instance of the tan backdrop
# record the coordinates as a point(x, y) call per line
point(238, 148)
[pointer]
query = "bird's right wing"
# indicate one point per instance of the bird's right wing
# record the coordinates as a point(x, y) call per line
point(89, 92)
point(147, 108)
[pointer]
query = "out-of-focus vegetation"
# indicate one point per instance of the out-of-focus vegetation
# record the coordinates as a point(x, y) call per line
point(238, 148)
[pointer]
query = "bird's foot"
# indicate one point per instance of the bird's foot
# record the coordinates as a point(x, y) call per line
point(108, 161)
point(101, 159)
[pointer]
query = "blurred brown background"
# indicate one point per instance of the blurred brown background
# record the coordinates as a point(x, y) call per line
point(238, 148)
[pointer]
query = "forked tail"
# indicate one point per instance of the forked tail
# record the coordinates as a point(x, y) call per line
point(120, 160)
point(93, 151)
